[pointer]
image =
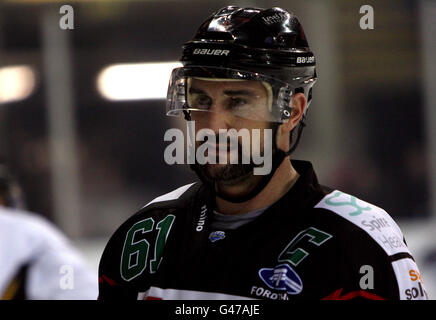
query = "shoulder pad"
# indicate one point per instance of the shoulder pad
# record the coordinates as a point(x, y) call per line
point(377, 223)
point(373, 220)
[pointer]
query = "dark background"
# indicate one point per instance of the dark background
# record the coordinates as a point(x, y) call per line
point(366, 133)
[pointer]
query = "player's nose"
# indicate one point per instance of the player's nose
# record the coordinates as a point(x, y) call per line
point(218, 119)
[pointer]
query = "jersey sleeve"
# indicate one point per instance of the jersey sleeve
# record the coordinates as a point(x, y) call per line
point(132, 258)
point(110, 282)
point(133, 255)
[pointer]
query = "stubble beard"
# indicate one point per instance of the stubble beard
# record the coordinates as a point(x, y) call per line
point(227, 174)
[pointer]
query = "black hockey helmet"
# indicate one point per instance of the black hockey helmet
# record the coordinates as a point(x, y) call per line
point(267, 45)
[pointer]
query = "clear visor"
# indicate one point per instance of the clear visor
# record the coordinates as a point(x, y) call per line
point(199, 91)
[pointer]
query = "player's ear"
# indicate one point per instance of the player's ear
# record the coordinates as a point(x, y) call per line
point(299, 104)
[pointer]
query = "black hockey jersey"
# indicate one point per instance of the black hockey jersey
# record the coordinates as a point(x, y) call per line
point(314, 243)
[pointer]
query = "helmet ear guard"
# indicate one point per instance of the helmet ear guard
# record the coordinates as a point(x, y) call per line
point(284, 97)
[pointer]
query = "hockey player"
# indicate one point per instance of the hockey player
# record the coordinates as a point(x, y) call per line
point(238, 235)
point(37, 262)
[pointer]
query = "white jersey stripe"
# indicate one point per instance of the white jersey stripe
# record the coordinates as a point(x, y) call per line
point(176, 294)
point(171, 195)
point(409, 280)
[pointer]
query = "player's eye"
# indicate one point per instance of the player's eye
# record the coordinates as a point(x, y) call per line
point(236, 102)
point(201, 101)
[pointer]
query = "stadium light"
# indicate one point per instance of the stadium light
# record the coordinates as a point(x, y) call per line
point(16, 83)
point(135, 81)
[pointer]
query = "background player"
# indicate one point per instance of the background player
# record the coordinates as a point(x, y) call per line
point(37, 262)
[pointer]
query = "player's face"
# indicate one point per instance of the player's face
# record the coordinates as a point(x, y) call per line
point(230, 105)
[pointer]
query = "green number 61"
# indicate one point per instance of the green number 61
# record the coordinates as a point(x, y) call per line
point(134, 258)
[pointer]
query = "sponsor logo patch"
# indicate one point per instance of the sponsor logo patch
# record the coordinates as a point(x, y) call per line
point(418, 291)
point(217, 235)
point(202, 219)
point(373, 220)
point(282, 278)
